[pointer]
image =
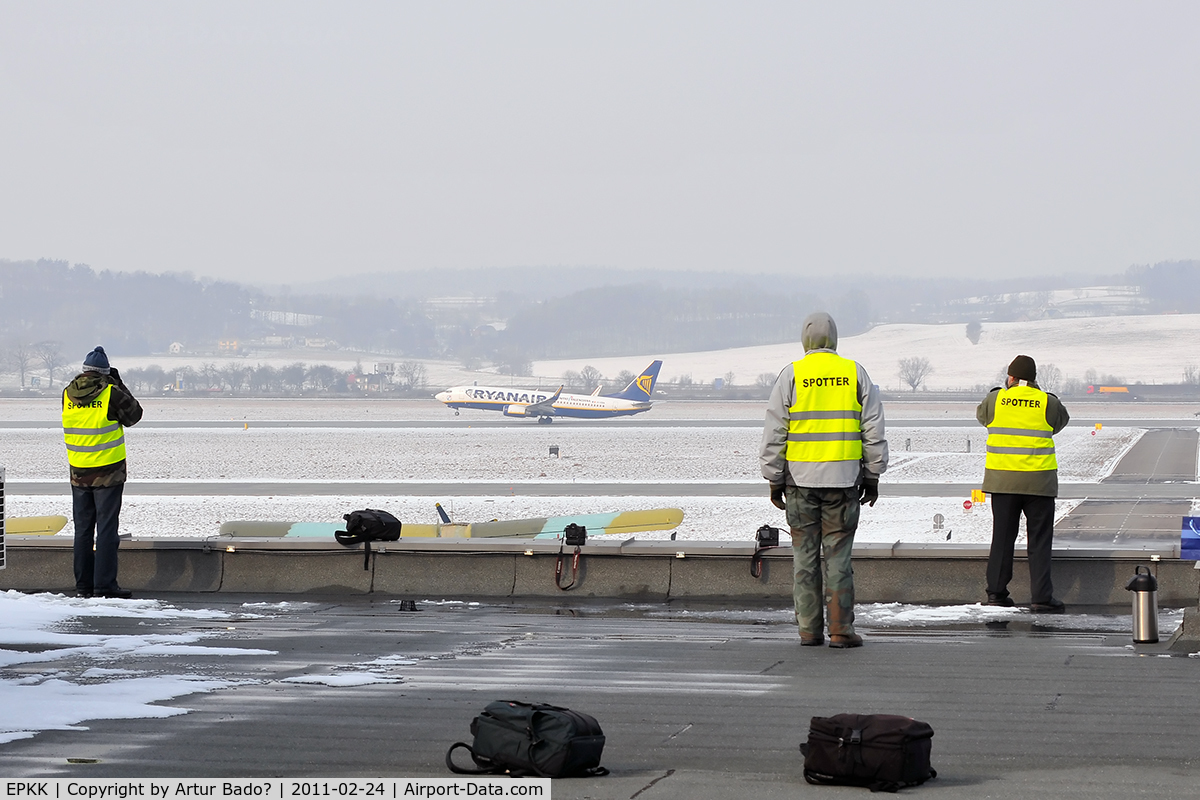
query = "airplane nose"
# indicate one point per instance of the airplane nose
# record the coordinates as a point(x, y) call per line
point(442, 397)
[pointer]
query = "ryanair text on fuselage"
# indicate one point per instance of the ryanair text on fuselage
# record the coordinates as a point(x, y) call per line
point(545, 406)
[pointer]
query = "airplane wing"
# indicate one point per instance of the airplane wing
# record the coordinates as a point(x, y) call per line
point(544, 408)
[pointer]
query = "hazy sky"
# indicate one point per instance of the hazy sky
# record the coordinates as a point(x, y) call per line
point(293, 141)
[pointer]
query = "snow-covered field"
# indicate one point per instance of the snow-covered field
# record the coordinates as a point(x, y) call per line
point(588, 454)
point(1149, 349)
point(1145, 348)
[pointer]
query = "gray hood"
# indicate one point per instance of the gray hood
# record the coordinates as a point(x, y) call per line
point(819, 332)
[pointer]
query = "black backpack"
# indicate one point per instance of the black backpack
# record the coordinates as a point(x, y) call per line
point(366, 526)
point(532, 739)
point(880, 751)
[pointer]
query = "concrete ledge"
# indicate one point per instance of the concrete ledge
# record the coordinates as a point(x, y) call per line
point(294, 572)
point(631, 569)
point(441, 575)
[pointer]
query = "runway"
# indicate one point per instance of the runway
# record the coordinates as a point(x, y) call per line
point(632, 422)
point(1162, 461)
point(1070, 491)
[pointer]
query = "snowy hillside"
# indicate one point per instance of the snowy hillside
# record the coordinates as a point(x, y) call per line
point(1146, 348)
point(1149, 349)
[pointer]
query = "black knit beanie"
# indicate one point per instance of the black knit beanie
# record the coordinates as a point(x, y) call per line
point(1023, 369)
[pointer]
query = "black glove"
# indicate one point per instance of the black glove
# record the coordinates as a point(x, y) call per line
point(116, 376)
point(777, 496)
point(869, 491)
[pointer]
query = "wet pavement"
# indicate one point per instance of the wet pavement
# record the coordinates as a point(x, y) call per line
point(697, 701)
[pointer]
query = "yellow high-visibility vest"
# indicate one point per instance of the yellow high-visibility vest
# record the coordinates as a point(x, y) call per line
point(1019, 438)
point(825, 421)
point(93, 440)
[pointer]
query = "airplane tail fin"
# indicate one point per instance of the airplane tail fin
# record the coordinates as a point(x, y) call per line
point(641, 388)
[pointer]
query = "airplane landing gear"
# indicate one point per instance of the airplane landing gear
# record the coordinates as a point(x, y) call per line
point(545, 420)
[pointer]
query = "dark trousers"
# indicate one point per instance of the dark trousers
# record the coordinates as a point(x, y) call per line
point(97, 512)
point(1006, 523)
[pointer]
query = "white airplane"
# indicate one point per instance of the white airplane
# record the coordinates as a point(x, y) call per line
point(545, 406)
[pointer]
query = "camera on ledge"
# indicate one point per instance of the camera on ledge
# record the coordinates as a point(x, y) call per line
point(574, 535)
point(766, 536)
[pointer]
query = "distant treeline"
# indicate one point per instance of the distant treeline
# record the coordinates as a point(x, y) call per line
point(502, 317)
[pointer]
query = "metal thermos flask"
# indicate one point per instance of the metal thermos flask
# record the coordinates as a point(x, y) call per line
point(1145, 605)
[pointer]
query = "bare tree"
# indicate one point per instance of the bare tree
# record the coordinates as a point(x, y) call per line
point(1191, 374)
point(1049, 378)
point(20, 358)
point(914, 370)
point(156, 378)
point(322, 376)
point(590, 377)
point(410, 375)
point(265, 378)
point(208, 374)
point(293, 375)
point(232, 375)
point(729, 376)
point(571, 380)
point(50, 354)
point(623, 379)
point(765, 380)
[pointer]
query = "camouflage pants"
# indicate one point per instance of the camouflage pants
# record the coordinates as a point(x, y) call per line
point(823, 522)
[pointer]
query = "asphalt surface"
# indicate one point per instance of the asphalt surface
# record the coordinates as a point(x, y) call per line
point(628, 422)
point(1161, 462)
point(698, 702)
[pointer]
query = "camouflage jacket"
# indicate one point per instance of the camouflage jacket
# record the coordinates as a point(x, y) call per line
point(122, 408)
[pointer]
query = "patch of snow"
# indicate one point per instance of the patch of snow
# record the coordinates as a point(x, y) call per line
point(35, 628)
point(343, 679)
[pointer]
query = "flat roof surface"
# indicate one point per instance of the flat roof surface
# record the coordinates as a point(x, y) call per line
point(696, 700)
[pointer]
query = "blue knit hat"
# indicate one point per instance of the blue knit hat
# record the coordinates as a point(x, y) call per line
point(96, 361)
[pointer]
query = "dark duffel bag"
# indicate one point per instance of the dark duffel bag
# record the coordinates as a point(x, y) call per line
point(880, 751)
point(532, 739)
point(368, 525)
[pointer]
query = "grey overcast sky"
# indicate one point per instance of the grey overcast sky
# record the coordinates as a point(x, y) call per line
point(290, 141)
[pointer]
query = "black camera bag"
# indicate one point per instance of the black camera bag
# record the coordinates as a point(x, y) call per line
point(366, 526)
point(880, 751)
point(532, 739)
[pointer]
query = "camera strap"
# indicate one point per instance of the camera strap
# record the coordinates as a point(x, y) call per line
point(558, 568)
point(756, 562)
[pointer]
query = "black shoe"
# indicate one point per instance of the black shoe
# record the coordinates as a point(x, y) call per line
point(84, 593)
point(1051, 606)
point(999, 600)
point(117, 593)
